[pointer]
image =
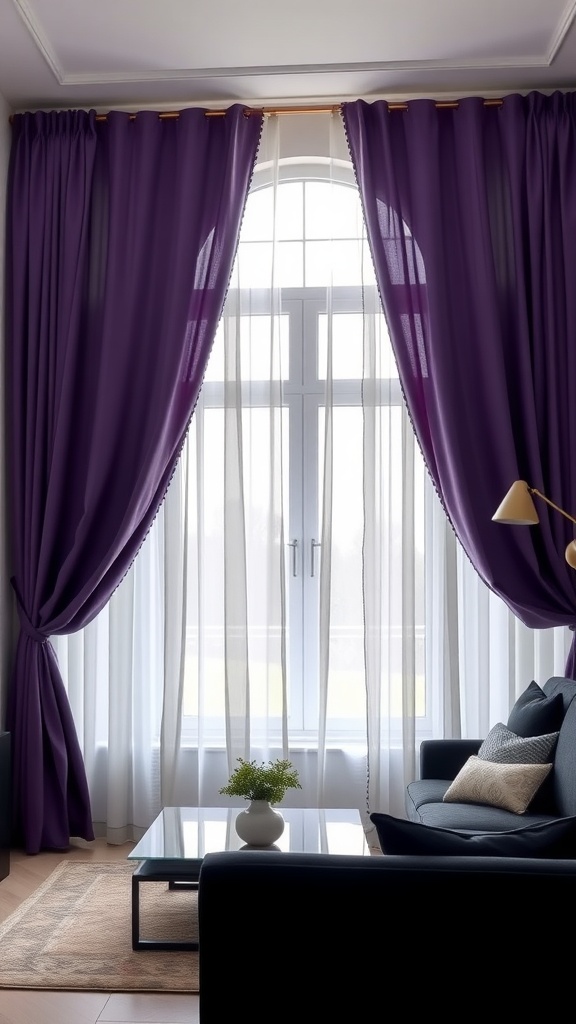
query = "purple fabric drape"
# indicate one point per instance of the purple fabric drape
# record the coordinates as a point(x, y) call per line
point(471, 218)
point(120, 243)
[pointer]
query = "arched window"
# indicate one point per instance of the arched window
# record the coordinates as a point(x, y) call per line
point(302, 301)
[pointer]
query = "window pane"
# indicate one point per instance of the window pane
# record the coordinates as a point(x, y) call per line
point(332, 211)
point(205, 595)
point(346, 687)
point(253, 267)
point(347, 346)
point(258, 224)
point(289, 271)
point(394, 630)
point(260, 265)
point(346, 262)
point(264, 349)
point(259, 622)
point(346, 690)
point(289, 211)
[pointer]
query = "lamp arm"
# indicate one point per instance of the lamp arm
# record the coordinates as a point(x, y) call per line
point(533, 490)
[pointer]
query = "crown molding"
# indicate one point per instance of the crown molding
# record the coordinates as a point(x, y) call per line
point(39, 38)
point(562, 30)
point(276, 70)
point(63, 78)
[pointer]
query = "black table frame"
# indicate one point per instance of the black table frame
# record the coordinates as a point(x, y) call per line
point(180, 874)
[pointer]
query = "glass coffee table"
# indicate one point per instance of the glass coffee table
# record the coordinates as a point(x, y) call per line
point(173, 848)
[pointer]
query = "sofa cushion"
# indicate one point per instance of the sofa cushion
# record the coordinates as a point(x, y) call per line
point(511, 786)
point(506, 747)
point(535, 714)
point(551, 839)
point(474, 817)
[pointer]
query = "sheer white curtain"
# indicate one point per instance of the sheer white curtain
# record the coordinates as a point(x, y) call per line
point(125, 675)
point(394, 575)
point(267, 549)
point(300, 593)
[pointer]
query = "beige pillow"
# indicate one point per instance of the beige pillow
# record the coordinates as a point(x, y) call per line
point(510, 786)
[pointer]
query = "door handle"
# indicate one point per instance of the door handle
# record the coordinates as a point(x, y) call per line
point(294, 545)
point(313, 545)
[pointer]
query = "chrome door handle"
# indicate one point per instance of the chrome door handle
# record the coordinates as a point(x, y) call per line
point(313, 545)
point(294, 545)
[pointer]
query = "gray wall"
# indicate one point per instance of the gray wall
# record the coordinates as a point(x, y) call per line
point(6, 604)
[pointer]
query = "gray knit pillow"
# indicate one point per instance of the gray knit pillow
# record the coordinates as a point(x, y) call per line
point(503, 746)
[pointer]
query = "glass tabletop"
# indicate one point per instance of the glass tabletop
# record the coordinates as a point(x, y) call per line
point(187, 833)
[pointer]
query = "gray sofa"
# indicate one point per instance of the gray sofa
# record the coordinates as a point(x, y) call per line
point(442, 760)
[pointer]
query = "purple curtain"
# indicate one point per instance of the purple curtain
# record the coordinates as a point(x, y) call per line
point(471, 218)
point(120, 243)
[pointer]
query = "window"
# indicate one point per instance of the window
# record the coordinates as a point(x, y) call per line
point(296, 302)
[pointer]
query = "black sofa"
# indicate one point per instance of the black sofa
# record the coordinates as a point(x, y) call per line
point(442, 760)
point(413, 932)
point(340, 938)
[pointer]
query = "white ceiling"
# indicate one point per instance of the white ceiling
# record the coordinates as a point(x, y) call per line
point(174, 53)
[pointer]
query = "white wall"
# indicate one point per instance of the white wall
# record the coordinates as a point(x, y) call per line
point(6, 605)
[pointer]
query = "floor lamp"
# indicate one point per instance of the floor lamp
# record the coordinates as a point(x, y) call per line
point(518, 509)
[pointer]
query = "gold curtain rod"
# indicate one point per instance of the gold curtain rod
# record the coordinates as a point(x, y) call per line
point(169, 115)
point(335, 108)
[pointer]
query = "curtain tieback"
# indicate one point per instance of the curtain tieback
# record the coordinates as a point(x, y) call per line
point(25, 624)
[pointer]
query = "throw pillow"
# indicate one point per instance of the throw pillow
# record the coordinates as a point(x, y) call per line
point(535, 714)
point(547, 839)
point(505, 747)
point(510, 786)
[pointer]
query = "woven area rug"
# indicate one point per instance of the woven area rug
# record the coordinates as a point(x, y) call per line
point(74, 932)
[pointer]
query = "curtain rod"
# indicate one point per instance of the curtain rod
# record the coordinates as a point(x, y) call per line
point(169, 115)
point(332, 109)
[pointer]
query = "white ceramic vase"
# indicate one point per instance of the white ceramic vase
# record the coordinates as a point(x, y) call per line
point(259, 824)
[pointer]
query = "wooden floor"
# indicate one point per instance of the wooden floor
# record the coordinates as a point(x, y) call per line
point(34, 1007)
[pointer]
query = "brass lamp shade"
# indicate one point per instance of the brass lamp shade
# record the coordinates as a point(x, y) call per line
point(518, 509)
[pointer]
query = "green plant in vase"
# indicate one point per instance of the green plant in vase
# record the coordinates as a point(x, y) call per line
point(262, 784)
point(264, 781)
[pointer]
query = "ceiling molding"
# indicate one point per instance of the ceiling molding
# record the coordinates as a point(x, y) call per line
point(562, 30)
point(39, 38)
point(527, 62)
point(191, 74)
